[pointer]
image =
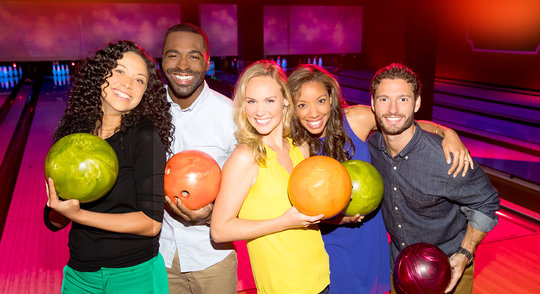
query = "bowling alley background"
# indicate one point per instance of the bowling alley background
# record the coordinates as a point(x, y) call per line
point(478, 60)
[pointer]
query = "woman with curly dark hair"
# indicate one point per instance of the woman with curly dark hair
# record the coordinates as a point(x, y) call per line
point(118, 96)
point(341, 133)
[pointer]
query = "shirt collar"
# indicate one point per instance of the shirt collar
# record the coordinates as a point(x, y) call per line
point(195, 104)
point(408, 148)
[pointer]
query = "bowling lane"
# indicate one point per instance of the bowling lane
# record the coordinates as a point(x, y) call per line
point(3, 97)
point(519, 164)
point(32, 257)
point(10, 121)
point(507, 259)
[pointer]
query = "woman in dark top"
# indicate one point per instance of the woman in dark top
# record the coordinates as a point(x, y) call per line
point(113, 243)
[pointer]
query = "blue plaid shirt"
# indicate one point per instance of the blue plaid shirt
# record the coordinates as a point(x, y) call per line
point(422, 203)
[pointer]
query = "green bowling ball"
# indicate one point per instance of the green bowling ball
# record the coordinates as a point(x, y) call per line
point(367, 187)
point(83, 167)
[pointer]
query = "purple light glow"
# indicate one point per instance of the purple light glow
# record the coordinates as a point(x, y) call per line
point(34, 31)
point(312, 29)
point(220, 22)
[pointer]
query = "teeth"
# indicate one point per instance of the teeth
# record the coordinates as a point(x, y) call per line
point(262, 121)
point(393, 118)
point(315, 124)
point(121, 94)
point(183, 78)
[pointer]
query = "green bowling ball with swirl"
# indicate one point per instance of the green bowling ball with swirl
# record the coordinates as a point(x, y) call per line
point(83, 167)
point(367, 187)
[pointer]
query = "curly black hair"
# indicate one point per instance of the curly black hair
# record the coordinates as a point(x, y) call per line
point(84, 114)
point(337, 144)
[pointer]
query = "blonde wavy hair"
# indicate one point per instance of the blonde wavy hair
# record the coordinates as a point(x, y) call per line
point(246, 133)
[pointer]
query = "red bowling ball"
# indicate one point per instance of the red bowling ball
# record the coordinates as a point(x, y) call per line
point(193, 177)
point(422, 268)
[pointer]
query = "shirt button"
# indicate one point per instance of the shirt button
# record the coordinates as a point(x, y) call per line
point(396, 208)
point(395, 167)
point(402, 244)
point(399, 226)
point(406, 157)
point(395, 188)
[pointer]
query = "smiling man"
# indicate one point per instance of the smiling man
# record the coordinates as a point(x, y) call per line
point(203, 121)
point(421, 202)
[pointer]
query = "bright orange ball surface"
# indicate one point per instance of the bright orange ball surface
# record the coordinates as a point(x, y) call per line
point(193, 177)
point(320, 185)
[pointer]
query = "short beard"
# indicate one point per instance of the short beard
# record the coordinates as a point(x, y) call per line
point(387, 131)
point(180, 92)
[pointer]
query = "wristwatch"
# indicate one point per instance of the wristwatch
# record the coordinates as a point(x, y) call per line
point(467, 253)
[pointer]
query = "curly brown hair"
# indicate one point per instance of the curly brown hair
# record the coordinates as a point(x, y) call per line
point(337, 144)
point(84, 114)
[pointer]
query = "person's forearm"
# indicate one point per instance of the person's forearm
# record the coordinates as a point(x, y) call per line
point(241, 229)
point(436, 128)
point(472, 238)
point(136, 223)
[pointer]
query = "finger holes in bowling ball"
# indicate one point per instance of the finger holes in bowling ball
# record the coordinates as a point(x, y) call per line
point(194, 177)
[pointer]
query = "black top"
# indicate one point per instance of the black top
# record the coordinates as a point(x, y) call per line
point(139, 187)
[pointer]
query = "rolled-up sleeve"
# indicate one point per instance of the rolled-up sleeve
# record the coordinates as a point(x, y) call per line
point(479, 220)
point(477, 198)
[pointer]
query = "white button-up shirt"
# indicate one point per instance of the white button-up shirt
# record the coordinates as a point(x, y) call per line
point(207, 125)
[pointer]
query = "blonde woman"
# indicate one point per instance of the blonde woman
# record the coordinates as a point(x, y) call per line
point(285, 246)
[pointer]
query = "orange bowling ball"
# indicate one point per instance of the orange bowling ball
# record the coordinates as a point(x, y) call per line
point(193, 177)
point(320, 185)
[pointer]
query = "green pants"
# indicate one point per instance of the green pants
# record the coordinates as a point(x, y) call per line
point(149, 277)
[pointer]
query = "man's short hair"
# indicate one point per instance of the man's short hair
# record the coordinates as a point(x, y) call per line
point(187, 27)
point(397, 71)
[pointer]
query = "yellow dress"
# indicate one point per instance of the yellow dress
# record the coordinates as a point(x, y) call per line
point(291, 261)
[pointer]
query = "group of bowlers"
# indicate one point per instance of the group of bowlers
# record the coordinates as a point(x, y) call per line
point(131, 242)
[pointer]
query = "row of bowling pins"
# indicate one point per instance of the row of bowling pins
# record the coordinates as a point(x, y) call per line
point(8, 82)
point(281, 62)
point(9, 76)
point(60, 69)
point(60, 74)
point(61, 80)
point(10, 71)
point(315, 61)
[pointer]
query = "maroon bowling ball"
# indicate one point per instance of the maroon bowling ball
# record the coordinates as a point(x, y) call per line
point(422, 268)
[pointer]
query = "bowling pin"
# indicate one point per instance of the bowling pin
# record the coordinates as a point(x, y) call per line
point(284, 63)
point(320, 62)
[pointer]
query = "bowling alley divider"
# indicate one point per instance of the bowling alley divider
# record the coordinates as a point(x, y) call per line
point(11, 159)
